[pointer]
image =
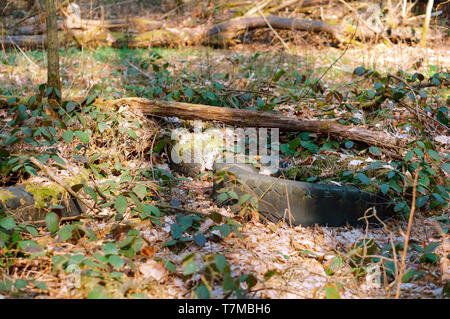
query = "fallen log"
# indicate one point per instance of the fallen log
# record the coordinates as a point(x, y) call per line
point(27, 41)
point(225, 31)
point(250, 118)
point(148, 33)
point(25, 206)
point(244, 118)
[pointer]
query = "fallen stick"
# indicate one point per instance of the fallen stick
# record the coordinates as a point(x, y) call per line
point(53, 176)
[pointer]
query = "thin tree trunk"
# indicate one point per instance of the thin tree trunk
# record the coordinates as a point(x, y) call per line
point(426, 24)
point(53, 79)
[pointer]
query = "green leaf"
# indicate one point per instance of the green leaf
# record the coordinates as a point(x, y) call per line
point(169, 265)
point(331, 293)
point(334, 265)
point(421, 144)
point(243, 199)
point(359, 71)
point(221, 262)
point(8, 223)
point(32, 230)
point(52, 222)
point(418, 152)
point(20, 283)
point(446, 167)
point(150, 209)
point(250, 279)
point(70, 106)
point(91, 192)
point(189, 93)
point(41, 285)
point(384, 188)
point(132, 134)
point(434, 155)
point(190, 268)
point(68, 136)
point(121, 204)
point(228, 282)
point(110, 249)
point(58, 160)
point(66, 232)
point(349, 144)
point(222, 196)
point(421, 200)
point(225, 229)
point(97, 293)
point(30, 170)
point(116, 261)
point(90, 99)
point(11, 101)
point(82, 136)
point(48, 91)
point(374, 150)
point(439, 198)
point(313, 148)
point(202, 292)
point(363, 178)
point(408, 275)
point(199, 239)
point(140, 190)
point(102, 126)
point(233, 195)
point(409, 156)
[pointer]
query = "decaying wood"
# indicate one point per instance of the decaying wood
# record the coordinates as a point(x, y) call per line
point(227, 30)
point(247, 118)
point(53, 176)
point(27, 41)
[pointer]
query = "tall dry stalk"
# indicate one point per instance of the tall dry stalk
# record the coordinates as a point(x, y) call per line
point(408, 233)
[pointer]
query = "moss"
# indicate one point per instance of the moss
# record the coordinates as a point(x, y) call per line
point(157, 36)
point(44, 193)
point(81, 178)
point(5, 195)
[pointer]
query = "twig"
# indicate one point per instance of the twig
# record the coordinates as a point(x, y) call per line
point(68, 219)
point(273, 30)
point(139, 70)
point(410, 108)
point(334, 62)
point(408, 233)
point(429, 84)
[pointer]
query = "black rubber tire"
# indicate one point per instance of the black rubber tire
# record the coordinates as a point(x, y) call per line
point(309, 203)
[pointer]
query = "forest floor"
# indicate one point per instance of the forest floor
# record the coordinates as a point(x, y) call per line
point(300, 262)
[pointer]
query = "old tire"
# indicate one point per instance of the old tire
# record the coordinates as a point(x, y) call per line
point(309, 203)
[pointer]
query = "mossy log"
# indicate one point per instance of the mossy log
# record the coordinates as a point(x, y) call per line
point(26, 203)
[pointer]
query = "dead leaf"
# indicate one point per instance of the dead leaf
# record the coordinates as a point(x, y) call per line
point(148, 251)
point(153, 269)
